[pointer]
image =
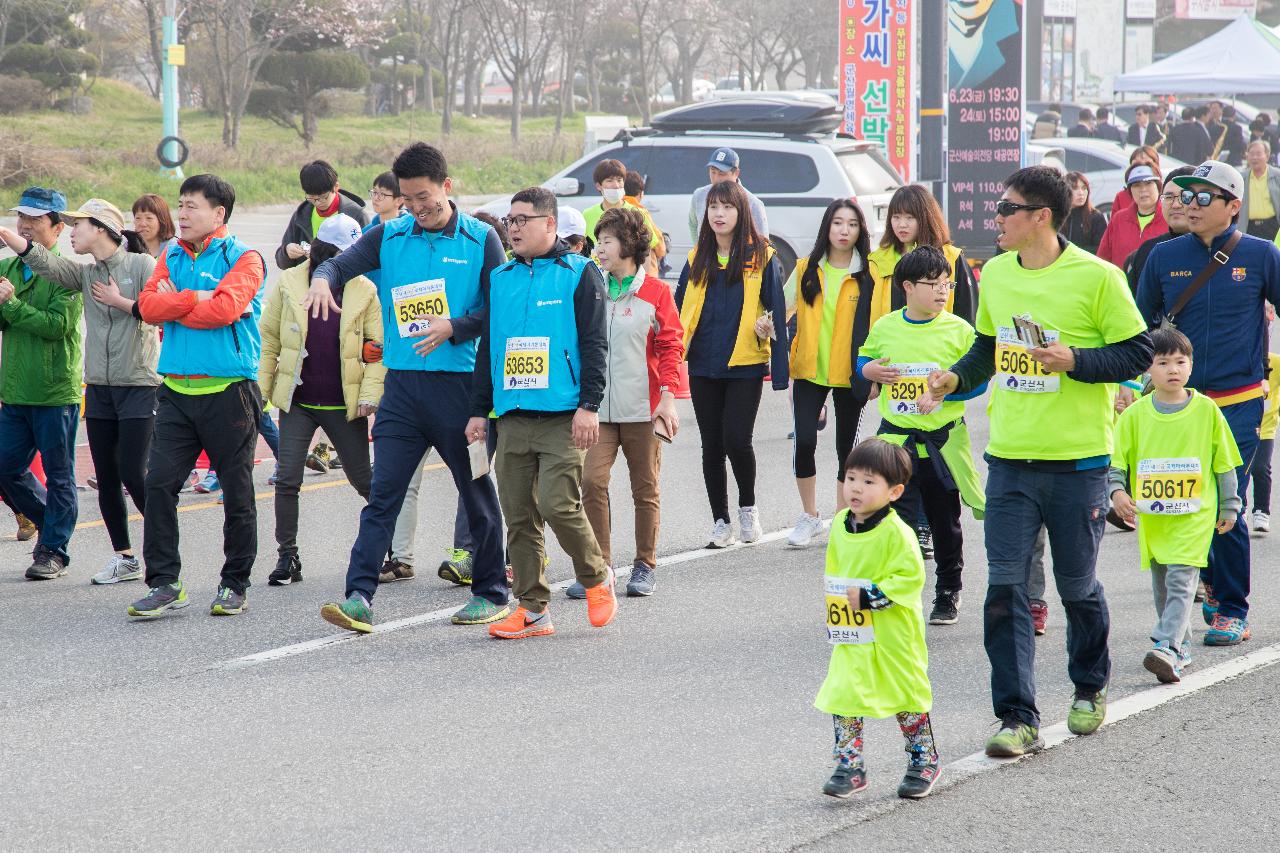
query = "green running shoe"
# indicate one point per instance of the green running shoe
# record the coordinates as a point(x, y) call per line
point(352, 614)
point(457, 569)
point(170, 596)
point(228, 602)
point(1087, 712)
point(480, 611)
point(1014, 739)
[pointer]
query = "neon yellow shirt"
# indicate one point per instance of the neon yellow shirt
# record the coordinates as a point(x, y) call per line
point(1270, 411)
point(920, 348)
point(1082, 301)
point(593, 213)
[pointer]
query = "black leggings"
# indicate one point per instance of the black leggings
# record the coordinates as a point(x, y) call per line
point(807, 400)
point(1261, 473)
point(119, 450)
point(726, 413)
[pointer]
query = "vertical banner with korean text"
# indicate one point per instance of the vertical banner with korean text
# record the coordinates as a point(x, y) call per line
point(985, 102)
point(876, 81)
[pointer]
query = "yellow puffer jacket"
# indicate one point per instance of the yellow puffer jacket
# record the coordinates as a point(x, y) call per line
point(284, 334)
point(882, 263)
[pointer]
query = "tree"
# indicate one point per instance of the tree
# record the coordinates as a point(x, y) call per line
point(516, 30)
point(295, 81)
point(40, 39)
point(689, 32)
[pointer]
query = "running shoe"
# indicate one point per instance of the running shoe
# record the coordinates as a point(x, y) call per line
point(209, 484)
point(749, 524)
point(288, 570)
point(457, 569)
point(523, 624)
point(1014, 739)
point(193, 479)
point(318, 458)
point(1261, 522)
point(641, 582)
point(275, 475)
point(45, 565)
point(721, 535)
point(395, 570)
point(354, 614)
point(602, 602)
point(845, 781)
point(925, 537)
point(1163, 664)
point(222, 498)
point(576, 591)
point(1039, 617)
point(1209, 607)
point(1226, 631)
point(946, 607)
point(1087, 712)
point(92, 483)
point(334, 463)
point(807, 527)
point(170, 596)
point(228, 602)
point(27, 529)
point(118, 568)
point(480, 611)
point(920, 777)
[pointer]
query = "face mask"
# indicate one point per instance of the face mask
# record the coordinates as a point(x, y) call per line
point(613, 195)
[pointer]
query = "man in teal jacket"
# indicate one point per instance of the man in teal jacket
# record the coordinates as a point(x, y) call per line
point(40, 377)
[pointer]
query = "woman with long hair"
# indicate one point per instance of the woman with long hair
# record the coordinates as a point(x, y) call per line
point(732, 308)
point(916, 219)
point(1084, 224)
point(313, 371)
point(1143, 155)
point(833, 288)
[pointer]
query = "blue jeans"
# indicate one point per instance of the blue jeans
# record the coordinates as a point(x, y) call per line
point(51, 430)
point(1072, 506)
point(1228, 571)
point(421, 410)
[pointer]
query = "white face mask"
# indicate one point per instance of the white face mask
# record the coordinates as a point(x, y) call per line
point(613, 195)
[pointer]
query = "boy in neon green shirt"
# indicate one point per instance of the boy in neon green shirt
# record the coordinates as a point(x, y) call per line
point(879, 663)
point(1175, 453)
point(900, 352)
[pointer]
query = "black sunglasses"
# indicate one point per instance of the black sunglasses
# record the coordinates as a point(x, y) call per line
point(1203, 198)
point(1004, 207)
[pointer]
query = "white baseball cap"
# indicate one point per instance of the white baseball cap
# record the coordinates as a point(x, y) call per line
point(339, 230)
point(1222, 175)
point(570, 223)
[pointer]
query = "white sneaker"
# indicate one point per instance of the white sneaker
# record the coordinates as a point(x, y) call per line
point(1261, 522)
point(749, 524)
point(721, 535)
point(119, 568)
point(807, 527)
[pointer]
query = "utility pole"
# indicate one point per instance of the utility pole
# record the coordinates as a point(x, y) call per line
point(172, 152)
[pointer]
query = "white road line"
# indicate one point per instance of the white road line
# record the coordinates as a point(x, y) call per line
point(437, 615)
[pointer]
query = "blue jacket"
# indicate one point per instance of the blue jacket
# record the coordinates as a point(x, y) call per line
point(375, 276)
point(551, 308)
point(1226, 320)
point(227, 351)
point(463, 255)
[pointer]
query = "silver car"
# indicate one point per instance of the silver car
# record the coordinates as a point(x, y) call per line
point(1103, 162)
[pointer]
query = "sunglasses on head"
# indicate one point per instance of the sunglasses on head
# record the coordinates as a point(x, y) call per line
point(1004, 207)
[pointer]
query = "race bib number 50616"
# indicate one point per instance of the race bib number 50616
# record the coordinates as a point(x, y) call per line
point(1016, 370)
point(846, 625)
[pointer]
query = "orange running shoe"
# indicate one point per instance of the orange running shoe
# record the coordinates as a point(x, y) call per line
point(523, 624)
point(602, 604)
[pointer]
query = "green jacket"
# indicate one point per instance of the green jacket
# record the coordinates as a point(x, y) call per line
point(39, 341)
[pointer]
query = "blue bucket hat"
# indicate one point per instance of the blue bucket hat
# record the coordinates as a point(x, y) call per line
point(39, 201)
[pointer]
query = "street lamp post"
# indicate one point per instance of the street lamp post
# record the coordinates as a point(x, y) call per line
point(172, 152)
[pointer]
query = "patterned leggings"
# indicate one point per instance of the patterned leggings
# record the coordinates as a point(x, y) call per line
point(916, 728)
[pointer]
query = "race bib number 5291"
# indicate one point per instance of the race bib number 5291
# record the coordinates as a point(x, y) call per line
point(846, 625)
point(912, 384)
point(1017, 371)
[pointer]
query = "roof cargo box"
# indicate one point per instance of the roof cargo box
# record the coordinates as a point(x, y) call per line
point(761, 114)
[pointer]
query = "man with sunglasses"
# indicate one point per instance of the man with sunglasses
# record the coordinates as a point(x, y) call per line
point(434, 289)
point(322, 199)
point(1056, 327)
point(1225, 320)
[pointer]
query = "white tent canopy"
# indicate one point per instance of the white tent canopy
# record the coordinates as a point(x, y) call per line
point(1241, 58)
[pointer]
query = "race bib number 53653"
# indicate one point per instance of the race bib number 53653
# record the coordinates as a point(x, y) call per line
point(526, 364)
point(1016, 370)
point(845, 623)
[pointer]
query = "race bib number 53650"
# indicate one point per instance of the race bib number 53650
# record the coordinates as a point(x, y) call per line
point(845, 623)
point(411, 301)
point(1016, 370)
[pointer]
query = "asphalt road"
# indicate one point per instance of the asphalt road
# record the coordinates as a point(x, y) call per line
point(686, 725)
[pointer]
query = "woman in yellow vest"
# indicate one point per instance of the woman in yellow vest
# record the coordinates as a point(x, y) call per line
point(830, 291)
point(731, 306)
point(915, 219)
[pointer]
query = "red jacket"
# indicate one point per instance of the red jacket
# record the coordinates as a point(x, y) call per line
point(1123, 236)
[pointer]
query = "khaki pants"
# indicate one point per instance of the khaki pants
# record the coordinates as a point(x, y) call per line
point(539, 471)
point(641, 449)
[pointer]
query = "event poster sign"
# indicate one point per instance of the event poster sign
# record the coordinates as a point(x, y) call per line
point(876, 81)
point(984, 115)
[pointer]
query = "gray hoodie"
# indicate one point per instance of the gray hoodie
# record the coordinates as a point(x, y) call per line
point(118, 349)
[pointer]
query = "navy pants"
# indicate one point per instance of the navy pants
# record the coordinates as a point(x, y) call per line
point(421, 410)
point(52, 431)
point(1072, 506)
point(1228, 571)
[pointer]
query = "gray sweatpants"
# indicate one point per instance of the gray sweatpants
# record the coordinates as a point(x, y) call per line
point(1175, 591)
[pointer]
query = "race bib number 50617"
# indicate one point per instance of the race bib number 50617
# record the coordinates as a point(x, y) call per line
point(846, 625)
point(1169, 486)
point(1016, 370)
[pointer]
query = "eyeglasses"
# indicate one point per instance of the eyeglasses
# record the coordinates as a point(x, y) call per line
point(1170, 198)
point(940, 286)
point(515, 223)
point(1004, 207)
point(379, 195)
point(317, 200)
point(1203, 198)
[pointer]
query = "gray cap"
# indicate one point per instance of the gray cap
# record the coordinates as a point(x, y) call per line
point(1224, 176)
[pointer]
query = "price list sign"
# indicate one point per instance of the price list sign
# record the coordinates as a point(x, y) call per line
point(876, 85)
point(985, 101)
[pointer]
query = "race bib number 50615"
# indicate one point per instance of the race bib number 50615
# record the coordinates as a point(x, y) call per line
point(1016, 370)
point(846, 625)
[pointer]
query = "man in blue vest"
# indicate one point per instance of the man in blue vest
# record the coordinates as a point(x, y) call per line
point(207, 292)
point(1225, 320)
point(541, 369)
point(433, 285)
